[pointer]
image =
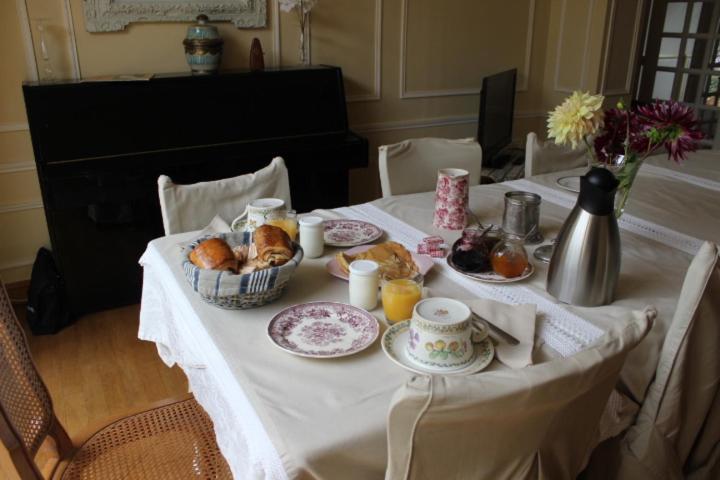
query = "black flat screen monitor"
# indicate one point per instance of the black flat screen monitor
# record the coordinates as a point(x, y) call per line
point(497, 103)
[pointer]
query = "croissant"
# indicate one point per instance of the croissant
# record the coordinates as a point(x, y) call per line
point(273, 245)
point(214, 254)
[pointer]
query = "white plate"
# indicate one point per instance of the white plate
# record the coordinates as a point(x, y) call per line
point(350, 233)
point(323, 329)
point(396, 337)
point(571, 183)
point(491, 277)
point(423, 262)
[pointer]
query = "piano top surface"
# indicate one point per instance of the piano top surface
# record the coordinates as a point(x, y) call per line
point(177, 75)
point(79, 120)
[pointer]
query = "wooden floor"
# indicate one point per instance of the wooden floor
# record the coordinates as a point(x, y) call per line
point(97, 368)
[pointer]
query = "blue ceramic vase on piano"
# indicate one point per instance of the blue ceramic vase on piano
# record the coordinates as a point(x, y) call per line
point(203, 47)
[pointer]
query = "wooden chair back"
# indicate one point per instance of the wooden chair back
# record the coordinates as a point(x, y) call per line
point(27, 417)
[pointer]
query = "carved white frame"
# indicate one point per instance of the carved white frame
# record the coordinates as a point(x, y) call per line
point(114, 15)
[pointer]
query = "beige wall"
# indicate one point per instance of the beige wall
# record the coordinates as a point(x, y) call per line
point(412, 68)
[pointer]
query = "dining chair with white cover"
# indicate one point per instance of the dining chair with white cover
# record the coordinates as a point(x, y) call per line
point(547, 157)
point(677, 431)
point(535, 422)
point(191, 207)
point(411, 166)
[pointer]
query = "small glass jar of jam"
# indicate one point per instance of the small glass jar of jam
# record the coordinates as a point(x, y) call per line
point(508, 257)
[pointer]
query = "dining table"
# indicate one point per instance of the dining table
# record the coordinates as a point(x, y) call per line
point(283, 416)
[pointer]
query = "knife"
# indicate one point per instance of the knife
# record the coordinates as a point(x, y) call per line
point(498, 331)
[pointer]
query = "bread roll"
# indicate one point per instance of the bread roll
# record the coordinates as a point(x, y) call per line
point(214, 254)
point(273, 245)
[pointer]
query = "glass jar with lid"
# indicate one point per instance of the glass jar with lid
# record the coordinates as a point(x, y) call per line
point(508, 257)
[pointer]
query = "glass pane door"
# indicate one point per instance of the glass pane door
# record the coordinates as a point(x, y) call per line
point(681, 59)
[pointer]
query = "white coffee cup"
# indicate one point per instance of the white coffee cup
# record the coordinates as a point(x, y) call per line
point(442, 333)
point(256, 213)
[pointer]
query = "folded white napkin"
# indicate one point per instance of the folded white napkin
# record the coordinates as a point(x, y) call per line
point(216, 225)
point(517, 320)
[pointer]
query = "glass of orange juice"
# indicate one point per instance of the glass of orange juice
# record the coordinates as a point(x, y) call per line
point(399, 296)
point(287, 221)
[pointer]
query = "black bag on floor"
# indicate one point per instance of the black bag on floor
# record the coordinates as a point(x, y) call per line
point(47, 307)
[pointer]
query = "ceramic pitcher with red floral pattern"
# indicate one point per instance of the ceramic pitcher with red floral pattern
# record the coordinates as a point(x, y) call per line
point(451, 199)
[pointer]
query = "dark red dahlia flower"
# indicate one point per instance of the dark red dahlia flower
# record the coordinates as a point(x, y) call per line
point(671, 124)
point(612, 141)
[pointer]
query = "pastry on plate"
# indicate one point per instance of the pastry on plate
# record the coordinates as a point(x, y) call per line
point(394, 260)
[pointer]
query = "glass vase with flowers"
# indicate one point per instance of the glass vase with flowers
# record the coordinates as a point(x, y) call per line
point(621, 138)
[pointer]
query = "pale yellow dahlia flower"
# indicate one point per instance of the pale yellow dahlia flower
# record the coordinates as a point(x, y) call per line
point(579, 115)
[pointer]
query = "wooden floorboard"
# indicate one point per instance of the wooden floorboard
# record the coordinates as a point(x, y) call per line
point(97, 368)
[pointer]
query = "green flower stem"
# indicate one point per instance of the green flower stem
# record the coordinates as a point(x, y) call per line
point(626, 176)
point(590, 152)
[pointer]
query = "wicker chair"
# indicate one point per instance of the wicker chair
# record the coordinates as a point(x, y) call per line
point(170, 441)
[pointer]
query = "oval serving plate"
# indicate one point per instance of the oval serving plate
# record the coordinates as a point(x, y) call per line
point(491, 277)
point(423, 262)
point(350, 233)
point(570, 183)
point(323, 329)
point(395, 339)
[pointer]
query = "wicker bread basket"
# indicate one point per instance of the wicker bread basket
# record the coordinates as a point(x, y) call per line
point(236, 292)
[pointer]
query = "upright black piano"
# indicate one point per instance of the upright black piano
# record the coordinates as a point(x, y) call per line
point(100, 147)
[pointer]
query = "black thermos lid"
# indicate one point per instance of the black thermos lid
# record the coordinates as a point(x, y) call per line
point(597, 191)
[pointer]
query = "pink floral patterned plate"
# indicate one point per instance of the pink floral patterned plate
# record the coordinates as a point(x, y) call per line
point(323, 329)
point(349, 233)
point(423, 262)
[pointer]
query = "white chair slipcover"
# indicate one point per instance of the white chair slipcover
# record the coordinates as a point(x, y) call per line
point(548, 157)
point(677, 431)
point(191, 207)
point(535, 422)
point(411, 166)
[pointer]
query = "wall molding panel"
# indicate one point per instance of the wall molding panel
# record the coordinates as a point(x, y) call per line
point(17, 264)
point(404, 93)
point(13, 127)
point(431, 122)
point(72, 40)
point(633, 53)
point(16, 167)
point(376, 93)
point(20, 206)
point(377, 57)
point(31, 68)
point(558, 55)
point(275, 25)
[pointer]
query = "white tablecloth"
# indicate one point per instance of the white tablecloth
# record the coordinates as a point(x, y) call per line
point(281, 416)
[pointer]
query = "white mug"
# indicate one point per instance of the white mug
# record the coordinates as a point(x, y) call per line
point(441, 330)
point(256, 214)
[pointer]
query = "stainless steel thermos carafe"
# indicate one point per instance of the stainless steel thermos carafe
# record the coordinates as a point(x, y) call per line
point(585, 263)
